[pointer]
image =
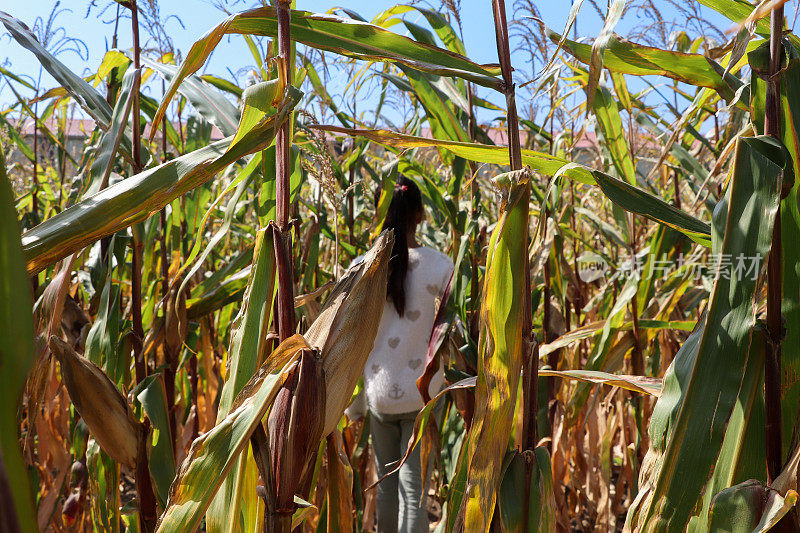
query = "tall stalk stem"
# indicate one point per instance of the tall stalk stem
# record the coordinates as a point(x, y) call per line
point(772, 364)
point(276, 520)
point(530, 368)
point(283, 237)
point(136, 273)
point(144, 488)
point(169, 350)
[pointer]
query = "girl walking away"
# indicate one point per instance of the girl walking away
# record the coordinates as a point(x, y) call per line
point(417, 278)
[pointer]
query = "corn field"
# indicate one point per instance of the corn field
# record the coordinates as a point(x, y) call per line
point(182, 323)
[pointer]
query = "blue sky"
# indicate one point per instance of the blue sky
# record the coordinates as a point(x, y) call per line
point(198, 16)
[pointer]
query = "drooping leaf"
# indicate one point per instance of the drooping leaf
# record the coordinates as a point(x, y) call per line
point(212, 105)
point(501, 352)
point(643, 384)
point(339, 35)
point(631, 58)
point(622, 194)
point(591, 329)
point(83, 93)
point(138, 197)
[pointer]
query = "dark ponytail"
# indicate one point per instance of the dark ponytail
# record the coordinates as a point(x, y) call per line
point(403, 211)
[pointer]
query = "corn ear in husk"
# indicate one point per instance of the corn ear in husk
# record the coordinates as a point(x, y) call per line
point(346, 327)
point(100, 403)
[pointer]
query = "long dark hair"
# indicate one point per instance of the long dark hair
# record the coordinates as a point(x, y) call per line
point(406, 205)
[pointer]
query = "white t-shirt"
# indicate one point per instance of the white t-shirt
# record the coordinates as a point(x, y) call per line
point(398, 356)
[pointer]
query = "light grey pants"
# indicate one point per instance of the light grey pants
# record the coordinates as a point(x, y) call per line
point(399, 495)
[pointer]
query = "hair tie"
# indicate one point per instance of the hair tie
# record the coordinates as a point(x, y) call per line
point(402, 188)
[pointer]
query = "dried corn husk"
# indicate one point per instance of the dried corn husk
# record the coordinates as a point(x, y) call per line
point(345, 330)
point(101, 405)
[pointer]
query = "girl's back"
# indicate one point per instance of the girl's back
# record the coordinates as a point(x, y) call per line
point(398, 356)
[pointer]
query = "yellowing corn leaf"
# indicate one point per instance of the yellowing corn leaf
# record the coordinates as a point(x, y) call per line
point(501, 352)
point(620, 193)
point(643, 384)
point(214, 453)
point(340, 486)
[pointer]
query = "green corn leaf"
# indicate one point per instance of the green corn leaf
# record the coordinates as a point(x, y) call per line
point(239, 185)
point(737, 11)
point(700, 394)
point(222, 84)
point(140, 196)
point(153, 397)
point(322, 92)
point(596, 60)
point(247, 351)
point(741, 457)
point(511, 497)
point(348, 37)
point(19, 140)
point(437, 21)
point(110, 140)
point(103, 338)
point(750, 507)
point(83, 93)
point(227, 291)
point(441, 114)
point(213, 106)
point(16, 358)
point(790, 221)
point(630, 58)
point(11, 75)
point(605, 109)
point(589, 330)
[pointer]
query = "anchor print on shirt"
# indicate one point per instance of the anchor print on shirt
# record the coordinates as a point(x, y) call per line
point(396, 393)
